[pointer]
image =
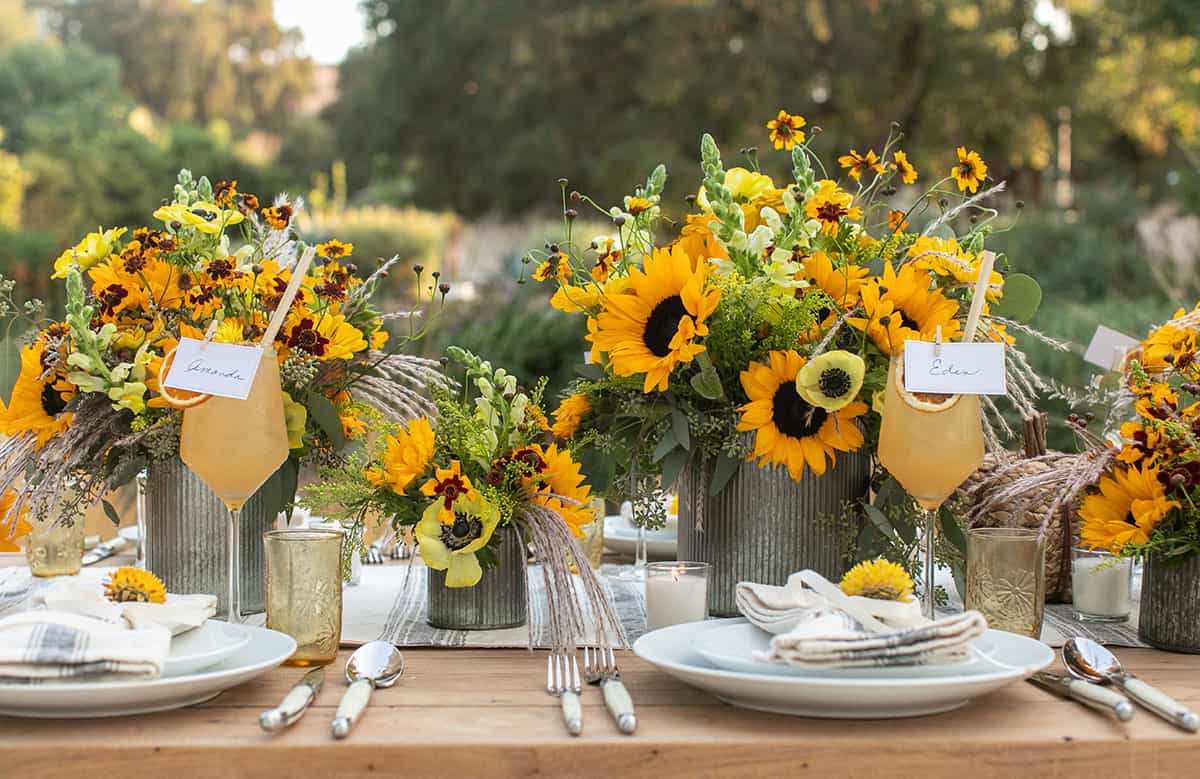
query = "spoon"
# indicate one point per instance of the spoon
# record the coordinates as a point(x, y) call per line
point(374, 664)
point(1087, 660)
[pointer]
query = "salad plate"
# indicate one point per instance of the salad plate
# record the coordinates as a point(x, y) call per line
point(621, 537)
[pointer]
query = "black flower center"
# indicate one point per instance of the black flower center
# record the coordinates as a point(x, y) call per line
point(830, 212)
point(461, 532)
point(793, 415)
point(834, 382)
point(52, 402)
point(966, 169)
point(205, 214)
point(663, 324)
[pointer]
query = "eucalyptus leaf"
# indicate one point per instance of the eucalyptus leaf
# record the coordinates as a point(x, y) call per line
point(289, 480)
point(665, 445)
point(591, 371)
point(723, 471)
point(952, 531)
point(672, 465)
point(326, 416)
point(708, 385)
point(271, 494)
point(679, 426)
point(598, 467)
point(110, 512)
point(881, 522)
point(1022, 298)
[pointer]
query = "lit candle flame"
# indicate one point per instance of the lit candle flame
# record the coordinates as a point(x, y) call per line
point(678, 571)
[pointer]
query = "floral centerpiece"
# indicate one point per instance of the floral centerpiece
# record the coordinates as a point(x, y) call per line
point(462, 475)
point(762, 327)
point(88, 406)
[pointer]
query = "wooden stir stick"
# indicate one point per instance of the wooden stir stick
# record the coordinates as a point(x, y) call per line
point(289, 294)
point(987, 260)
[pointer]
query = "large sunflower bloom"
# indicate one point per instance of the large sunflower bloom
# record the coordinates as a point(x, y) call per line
point(785, 130)
point(451, 545)
point(1128, 507)
point(787, 429)
point(37, 404)
point(656, 324)
point(12, 528)
point(842, 284)
point(970, 171)
point(560, 487)
point(830, 205)
point(900, 306)
point(407, 456)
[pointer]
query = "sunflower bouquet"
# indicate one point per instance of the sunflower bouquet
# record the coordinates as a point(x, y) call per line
point(772, 310)
point(1147, 502)
point(88, 408)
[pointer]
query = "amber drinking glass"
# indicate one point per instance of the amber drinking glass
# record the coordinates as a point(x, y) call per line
point(1006, 578)
point(304, 591)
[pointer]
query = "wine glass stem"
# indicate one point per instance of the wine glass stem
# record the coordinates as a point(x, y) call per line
point(233, 589)
point(140, 555)
point(927, 595)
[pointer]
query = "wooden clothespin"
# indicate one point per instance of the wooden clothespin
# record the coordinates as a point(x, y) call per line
point(937, 342)
point(210, 333)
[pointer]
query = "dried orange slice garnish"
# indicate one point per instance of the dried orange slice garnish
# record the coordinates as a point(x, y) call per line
point(177, 398)
point(932, 402)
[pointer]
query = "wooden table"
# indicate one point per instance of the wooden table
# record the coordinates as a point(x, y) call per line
point(483, 713)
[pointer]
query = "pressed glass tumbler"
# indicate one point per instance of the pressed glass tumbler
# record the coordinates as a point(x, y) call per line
point(304, 591)
point(1006, 578)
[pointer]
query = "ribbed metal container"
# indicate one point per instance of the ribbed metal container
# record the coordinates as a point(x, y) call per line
point(499, 600)
point(186, 527)
point(1170, 610)
point(763, 526)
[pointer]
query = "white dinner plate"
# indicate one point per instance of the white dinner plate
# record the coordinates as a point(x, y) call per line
point(732, 648)
point(130, 534)
point(61, 700)
point(840, 697)
point(204, 647)
point(621, 537)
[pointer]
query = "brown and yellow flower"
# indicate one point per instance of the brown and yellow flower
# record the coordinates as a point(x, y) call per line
point(900, 164)
point(785, 130)
point(830, 205)
point(1130, 504)
point(858, 164)
point(448, 486)
point(334, 249)
point(900, 306)
point(970, 171)
point(39, 399)
point(278, 217)
point(560, 486)
point(556, 266)
point(897, 221)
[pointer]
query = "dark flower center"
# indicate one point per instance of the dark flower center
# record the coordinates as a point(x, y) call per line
point(830, 212)
point(461, 532)
point(205, 214)
point(834, 382)
point(111, 297)
point(966, 169)
point(793, 415)
point(306, 338)
point(52, 402)
point(663, 324)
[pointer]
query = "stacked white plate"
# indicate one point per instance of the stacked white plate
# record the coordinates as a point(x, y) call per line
point(203, 663)
point(718, 656)
point(620, 536)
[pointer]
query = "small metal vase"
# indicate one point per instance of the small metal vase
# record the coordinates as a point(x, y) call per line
point(764, 526)
point(185, 528)
point(1169, 617)
point(499, 600)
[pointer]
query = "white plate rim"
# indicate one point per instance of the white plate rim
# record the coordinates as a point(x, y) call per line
point(202, 660)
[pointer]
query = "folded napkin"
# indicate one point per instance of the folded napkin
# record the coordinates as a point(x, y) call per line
point(46, 645)
point(179, 614)
point(815, 625)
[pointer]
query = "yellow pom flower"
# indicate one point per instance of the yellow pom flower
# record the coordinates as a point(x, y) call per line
point(134, 585)
point(879, 579)
point(569, 414)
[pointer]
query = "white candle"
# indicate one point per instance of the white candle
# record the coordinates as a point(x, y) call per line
point(675, 595)
point(1100, 587)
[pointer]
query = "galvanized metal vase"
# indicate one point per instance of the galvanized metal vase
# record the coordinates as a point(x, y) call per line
point(186, 526)
point(499, 600)
point(1169, 617)
point(764, 526)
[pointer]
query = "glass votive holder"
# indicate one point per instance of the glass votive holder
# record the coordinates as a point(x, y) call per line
point(1006, 578)
point(304, 591)
point(676, 592)
point(1101, 586)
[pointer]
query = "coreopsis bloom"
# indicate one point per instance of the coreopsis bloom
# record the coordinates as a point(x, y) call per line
point(334, 249)
point(830, 205)
point(970, 171)
point(278, 217)
point(556, 266)
point(448, 486)
point(897, 221)
point(785, 130)
point(900, 164)
point(858, 164)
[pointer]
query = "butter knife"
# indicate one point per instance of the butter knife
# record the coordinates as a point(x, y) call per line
point(1091, 695)
point(103, 551)
point(294, 704)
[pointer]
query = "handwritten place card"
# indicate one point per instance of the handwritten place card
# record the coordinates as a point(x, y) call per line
point(957, 369)
point(226, 370)
point(1108, 348)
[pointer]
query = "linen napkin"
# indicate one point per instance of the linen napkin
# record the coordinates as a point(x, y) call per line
point(179, 614)
point(815, 625)
point(48, 645)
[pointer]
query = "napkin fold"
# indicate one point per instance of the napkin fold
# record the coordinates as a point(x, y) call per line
point(179, 614)
point(815, 625)
point(47, 645)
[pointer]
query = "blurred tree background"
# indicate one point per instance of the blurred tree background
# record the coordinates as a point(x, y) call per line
point(442, 135)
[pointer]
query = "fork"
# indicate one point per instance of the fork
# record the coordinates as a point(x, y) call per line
point(373, 554)
point(562, 681)
point(600, 669)
point(400, 547)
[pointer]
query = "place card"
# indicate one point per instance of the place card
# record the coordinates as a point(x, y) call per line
point(226, 370)
point(1108, 348)
point(955, 368)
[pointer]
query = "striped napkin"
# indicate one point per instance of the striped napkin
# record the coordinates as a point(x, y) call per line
point(48, 645)
point(815, 625)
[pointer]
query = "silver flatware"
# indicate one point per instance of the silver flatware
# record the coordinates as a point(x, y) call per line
point(600, 669)
point(294, 703)
point(103, 551)
point(1091, 695)
point(1088, 660)
point(373, 665)
point(562, 681)
point(373, 554)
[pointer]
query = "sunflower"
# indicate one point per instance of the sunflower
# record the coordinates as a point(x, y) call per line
point(569, 414)
point(333, 249)
point(328, 336)
point(1165, 345)
point(449, 485)
point(134, 585)
point(900, 306)
point(450, 539)
point(830, 205)
point(970, 171)
point(91, 250)
point(654, 326)
point(278, 217)
point(560, 486)
point(897, 221)
point(785, 130)
point(900, 163)
point(1128, 507)
point(880, 579)
point(788, 429)
point(696, 238)
point(406, 457)
point(14, 527)
point(859, 164)
point(842, 284)
point(37, 403)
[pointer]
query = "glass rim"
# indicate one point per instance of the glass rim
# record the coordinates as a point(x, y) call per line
point(678, 566)
point(303, 534)
point(1085, 550)
point(1006, 533)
